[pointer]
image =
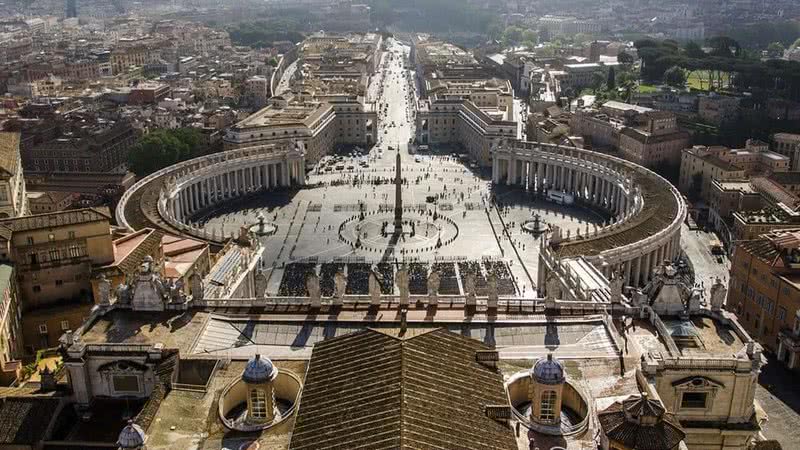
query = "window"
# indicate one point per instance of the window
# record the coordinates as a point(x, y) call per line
point(258, 404)
point(54, 255)
point(37, 289)
point(64, 325)
point(781, 313)
point(30, 240)
point(548, 405)
point(694, 400)
point(74, 251)
point(42, 328)
point(71, 235)
point(126, 383)
point(59, 282)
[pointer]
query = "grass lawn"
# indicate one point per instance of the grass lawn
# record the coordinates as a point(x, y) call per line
point(647, 88)
point(694, 80)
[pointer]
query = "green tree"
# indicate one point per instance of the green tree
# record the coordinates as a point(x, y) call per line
point(530, 36)
point(625, 58)
point(161, 148)
point(611, 82)
point(775, 49)
point(627, 81)
point(723, 46)
point(693, 50)
point(597, 81)
point(512, 35)
point(675, 76)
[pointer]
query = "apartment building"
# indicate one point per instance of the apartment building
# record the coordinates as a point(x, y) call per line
point(53, 255)
point(654, 140)
point(13, 198)
point(10, 326)
point(787, 144)
point(765, 287)
point(81, 145)
point(702, 165)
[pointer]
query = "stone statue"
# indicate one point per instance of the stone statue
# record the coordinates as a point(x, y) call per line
point(718, 295)
point(402, 284)
point(176, 294)
point(640, 298)
point(260, 284)
point(104, 291)
point(555, 237)
point(433, 287)
point(553, 290)
point(312, 285)
point(374, 289)
point(340, 284)
point(196, 285)
point(491, 301)
point(694, 301)
point(124, 294)
point(616, 286)
point(469, 289)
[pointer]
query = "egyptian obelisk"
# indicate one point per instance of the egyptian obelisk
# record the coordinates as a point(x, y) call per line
point(398, 199)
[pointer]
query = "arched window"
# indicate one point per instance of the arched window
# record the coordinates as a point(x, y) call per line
point(547, 407)
point(258, 404)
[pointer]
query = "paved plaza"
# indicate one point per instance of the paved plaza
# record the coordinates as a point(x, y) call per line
point(343, 213)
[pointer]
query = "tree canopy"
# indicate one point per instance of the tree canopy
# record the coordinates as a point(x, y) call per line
point(727, 66)
point(162, 148)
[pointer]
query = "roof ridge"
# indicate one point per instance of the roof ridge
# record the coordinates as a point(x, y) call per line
point(402, 390)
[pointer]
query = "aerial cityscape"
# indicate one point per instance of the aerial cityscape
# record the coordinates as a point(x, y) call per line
point(399, 224)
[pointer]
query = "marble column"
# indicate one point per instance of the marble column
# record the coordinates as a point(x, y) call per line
point(648, 266)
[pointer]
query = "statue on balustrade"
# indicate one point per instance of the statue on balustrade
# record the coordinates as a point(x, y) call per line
point(312, 286)
point(434, 280)
point(469, 288)
point(374, 288)
point(402, 284)
point(340, 283)
point(197, 287)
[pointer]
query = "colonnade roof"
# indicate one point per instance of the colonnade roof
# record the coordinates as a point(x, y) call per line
point(661, 207)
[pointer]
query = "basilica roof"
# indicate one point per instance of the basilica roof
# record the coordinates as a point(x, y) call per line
point(374, 390)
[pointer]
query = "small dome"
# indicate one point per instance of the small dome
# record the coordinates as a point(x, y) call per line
point(132, 436)
point(548, 371)
point(259, 370)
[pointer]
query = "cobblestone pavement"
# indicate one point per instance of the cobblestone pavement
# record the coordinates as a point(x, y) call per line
point(706, 268)
point(779, 396)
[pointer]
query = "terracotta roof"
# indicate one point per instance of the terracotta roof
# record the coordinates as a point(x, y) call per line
point(784, 178)
point(57, 219)
point(657, 430)
point(24, 420)
point(763, 249)
point(129, 251)
point(9, 151)
point(372, 390)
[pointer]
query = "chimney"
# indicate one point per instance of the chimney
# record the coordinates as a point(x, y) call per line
point(403, 320)
point(500, 413)
point(487, 358)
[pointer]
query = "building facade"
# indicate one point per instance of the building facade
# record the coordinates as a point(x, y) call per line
point(765, 285)
point(13, 198)
point(53, 255)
